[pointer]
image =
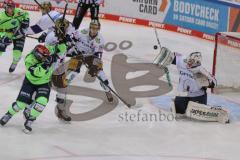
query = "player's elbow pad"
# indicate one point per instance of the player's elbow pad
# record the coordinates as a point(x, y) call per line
point(32, 71)
point(25, 23)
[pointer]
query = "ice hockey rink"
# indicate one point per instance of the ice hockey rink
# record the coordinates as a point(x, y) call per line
point(112, 135)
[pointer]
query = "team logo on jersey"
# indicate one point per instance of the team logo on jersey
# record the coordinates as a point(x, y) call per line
point(14, 22)
point(97, 40)
point(84, 31)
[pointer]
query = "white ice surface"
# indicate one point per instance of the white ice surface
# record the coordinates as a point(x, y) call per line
point(108, 137)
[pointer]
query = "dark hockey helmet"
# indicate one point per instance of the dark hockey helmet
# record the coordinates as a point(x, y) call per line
point(194, 59)
point(40, 52)
point(94, 27)
point(9, 3)
point(46, 7)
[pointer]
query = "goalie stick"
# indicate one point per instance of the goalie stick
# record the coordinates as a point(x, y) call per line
point(164, 68)
point(128, 105)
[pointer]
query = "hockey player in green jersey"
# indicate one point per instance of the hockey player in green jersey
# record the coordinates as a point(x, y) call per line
point(39, 69)
point(13, 26)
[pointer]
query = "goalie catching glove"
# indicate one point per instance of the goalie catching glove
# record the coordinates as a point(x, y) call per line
point(164, 58)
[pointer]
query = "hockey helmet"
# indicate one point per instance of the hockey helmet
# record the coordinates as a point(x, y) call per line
point(41, 52)
point(194, 59)
point(61, 27)
point(94, 27)
point(9, 3)
point(46, 7)
point(95, 23)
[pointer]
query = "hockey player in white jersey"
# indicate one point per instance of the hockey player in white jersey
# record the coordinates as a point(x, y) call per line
point(194, 80)
point(45, 22)
point(90, 45)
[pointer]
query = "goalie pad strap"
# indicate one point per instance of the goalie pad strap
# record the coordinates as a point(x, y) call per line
point(206, 113)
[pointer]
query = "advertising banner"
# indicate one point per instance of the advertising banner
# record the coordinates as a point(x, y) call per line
point(192, 17)
point(203, 16)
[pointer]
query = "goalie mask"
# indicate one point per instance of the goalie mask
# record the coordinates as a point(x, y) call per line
point(194, 59)
point(46, 7)
point(61, 27)
point(40, 52)
point(94, 28)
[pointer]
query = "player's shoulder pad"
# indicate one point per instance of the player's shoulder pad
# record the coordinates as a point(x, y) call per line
point(19, 11)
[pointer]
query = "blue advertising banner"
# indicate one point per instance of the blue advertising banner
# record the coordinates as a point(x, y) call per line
point(198, 15)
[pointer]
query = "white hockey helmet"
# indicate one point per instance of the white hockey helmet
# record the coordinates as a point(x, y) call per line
point(194, 59)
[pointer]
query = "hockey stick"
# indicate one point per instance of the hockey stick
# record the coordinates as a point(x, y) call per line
point(128, 105)
point(99, 78)
point(31, 37)
point(65, 10)
point(164, 68)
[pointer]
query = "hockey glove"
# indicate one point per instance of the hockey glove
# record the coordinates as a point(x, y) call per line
point(5, 41)
point(41, 39)
point(19, 33)
point(49, 61)
point(95, 67)
point(211, 85)
point(25, 24)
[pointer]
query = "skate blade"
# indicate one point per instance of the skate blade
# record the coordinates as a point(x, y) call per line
point(64, 121)
point(26, 131)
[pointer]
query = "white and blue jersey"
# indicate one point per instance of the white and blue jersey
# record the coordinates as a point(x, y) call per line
point(45, 23)
point(187, 82)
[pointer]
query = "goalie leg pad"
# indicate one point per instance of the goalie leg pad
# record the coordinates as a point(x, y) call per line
point(206, 113)
point(164, 58)
point(75, 63)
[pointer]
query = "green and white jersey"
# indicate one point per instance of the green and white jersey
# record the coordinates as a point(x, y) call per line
point(8, 24)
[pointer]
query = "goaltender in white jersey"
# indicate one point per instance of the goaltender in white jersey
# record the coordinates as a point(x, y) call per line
point(194, 80)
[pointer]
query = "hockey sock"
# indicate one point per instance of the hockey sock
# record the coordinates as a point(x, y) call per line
point(16, 107)
point(16, 56)
point(38, 107)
